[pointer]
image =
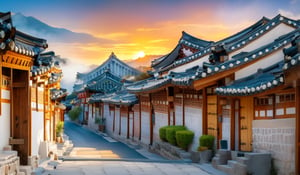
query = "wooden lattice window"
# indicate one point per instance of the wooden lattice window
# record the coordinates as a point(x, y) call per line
point(285, 105)
point(263, 107)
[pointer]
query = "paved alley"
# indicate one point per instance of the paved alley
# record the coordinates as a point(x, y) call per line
point(124, 168)
point(88, 144)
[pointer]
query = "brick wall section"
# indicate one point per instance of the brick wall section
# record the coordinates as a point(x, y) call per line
point(278, 138)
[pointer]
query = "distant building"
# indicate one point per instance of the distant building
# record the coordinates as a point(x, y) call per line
point(106, 79)
point(115, 66)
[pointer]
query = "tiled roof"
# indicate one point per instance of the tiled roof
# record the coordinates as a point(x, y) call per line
point(58, 93)
point(186, 39)
point(105, 77)
point(55, 77)
point(44, 62)
point(236, 41)
point(267, 78)
point(186, 78)
point(259, 82)
point(118, 98)
point(243, 58)
point(193, 42)
point(294, 61)
point(16, 41)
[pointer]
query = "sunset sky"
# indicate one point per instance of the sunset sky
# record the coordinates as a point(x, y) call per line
point(135, 27)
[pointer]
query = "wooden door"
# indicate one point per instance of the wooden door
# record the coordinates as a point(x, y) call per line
point(212, 116)
point(20, 119)
point(246, 117)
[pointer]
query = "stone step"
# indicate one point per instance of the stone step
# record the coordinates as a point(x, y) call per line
point(226, 169)
point(232, 163)
point(242, 160)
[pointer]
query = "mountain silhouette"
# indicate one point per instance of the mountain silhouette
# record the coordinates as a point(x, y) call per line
point(35, 27)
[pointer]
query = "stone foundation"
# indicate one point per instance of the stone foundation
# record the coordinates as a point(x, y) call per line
point(169, 151)
point(278, 138)
point(9, 163)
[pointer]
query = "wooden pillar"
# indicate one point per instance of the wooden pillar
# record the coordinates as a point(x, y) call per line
point(183, 108)
point(133, 123)
point(120, 120)
point(169, 110)
point(140, 118)
point(151, 120)
point(297, 150)
point(232, 124)
point(114, 118)
point(127, 135)
point(28, 111)
point(204, 112)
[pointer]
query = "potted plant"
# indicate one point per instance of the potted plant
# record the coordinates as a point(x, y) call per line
point(101, 123)
point(59, 130)
point(206, 144)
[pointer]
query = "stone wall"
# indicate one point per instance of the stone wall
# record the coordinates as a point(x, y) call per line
point(278, 138)
point(161, 119)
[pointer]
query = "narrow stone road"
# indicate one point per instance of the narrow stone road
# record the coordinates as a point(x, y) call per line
point(88, 144)
point(111, 157)
point(124, 168)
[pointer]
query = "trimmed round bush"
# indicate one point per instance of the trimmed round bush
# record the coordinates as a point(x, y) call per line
point(74, 113)
point(184, 138)
point(171, 133)
point(207, 141)
point(162, 133)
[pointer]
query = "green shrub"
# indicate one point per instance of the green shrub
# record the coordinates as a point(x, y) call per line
point(59, 128)
point(207, 141)
point(162, 133)
point(184, 138)
point(171, 133)
point(74, 113)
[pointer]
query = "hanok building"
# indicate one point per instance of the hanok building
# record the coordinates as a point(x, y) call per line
point(242, 89)
point(103, 80)
point(23, 104)
point(46, 95)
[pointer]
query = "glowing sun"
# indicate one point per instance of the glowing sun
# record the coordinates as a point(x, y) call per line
point(139, 55)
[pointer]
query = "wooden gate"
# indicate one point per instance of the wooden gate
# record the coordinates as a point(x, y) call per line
point(246, 117)
point(212, 116)
point(20, 118)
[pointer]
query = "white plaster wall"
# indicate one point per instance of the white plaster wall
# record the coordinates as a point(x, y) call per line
point(178, 115)
point(109, 115)
point(37, 131)
point(267, 38)
point(91, 119)
point(265, 62)
point(196, 62)
point(136, 125)
point(124, 126)
point(226, 130)
point(130, 124)
point(193, 121)
point(5, 94)
point(161, 120)
point(145, 128)
point(117, 121)
point(4, 122)
point(277, 137)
